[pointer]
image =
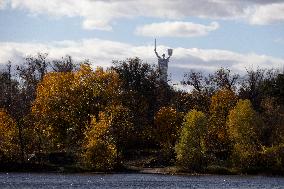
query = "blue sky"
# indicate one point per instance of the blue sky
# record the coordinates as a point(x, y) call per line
point(205, 34)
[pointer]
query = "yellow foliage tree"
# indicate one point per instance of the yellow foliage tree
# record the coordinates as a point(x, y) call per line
point(244, 130)
point(100, 151)
point(167, 124)
point(66, 100)
point(53, 108)
point(190, 148)
point(107, 137)
point(9, 145)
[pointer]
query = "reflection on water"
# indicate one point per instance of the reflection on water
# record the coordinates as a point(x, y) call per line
point(35, 180)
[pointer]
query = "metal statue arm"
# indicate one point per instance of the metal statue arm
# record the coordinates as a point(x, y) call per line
point(156, 53)
point(169, 57)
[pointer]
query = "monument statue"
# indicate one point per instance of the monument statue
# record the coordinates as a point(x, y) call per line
point(163, 64)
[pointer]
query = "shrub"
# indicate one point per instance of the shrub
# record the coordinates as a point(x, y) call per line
point(272, 158)
point(100, 155)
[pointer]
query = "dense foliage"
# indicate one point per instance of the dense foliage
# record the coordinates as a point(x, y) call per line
point(190, 149)
point(62, 112)
point(244, 127)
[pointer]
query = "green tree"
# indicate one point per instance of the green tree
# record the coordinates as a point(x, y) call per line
point(244, 130)
point(190, 148)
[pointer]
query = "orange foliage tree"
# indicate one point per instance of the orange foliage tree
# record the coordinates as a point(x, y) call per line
point(66, 100)
point(218, 141)
point(107, 137)
point(167, 124)
point(9, 144)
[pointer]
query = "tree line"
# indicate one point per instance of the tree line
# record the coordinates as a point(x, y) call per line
point(101, 118)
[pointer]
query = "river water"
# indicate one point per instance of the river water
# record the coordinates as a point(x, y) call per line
point(135, 181)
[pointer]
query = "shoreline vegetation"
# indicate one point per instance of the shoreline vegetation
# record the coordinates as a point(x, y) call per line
point(63, 116)
point(169, 170)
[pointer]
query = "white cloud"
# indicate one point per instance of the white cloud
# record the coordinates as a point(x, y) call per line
point(102, 52)
point(51, 7)
point(266, 14)
point(176, 29)
point(100, 14)
point(96, 24)
point(3, 4)
point(279, 40)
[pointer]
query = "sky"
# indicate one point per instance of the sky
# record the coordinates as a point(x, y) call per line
point(204, 34)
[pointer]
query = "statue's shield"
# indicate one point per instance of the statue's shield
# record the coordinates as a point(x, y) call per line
point(170, 52)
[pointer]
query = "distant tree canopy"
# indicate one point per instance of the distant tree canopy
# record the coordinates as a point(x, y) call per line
point(105, 117)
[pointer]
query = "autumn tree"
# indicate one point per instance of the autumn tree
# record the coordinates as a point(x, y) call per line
point(278, 91)
point(5, 87)
point(9, 143)
point(139, 95)
point(108, 137)
point(218, 142)
point(195, 79)
point(120, 126)
point(65, 64)
point(9, 91)
point(66, 100)
point(31, 72)
point(200, 101)
point(264, 88)
point(273, 118)
point(182, 101)
point(201, 89)
point(167, 124)
point(100, 152)
point(53, 106)
point(223, 78)
point(260, 84)
point(190, 149)
point(244, 128)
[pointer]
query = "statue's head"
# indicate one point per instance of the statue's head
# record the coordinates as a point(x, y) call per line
point(163, 55)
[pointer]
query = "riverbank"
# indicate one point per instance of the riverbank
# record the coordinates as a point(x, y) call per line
point(167, 170)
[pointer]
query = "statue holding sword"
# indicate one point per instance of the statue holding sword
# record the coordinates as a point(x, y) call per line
point(163, 64)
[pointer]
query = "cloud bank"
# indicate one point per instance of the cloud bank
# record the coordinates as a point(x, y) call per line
point(102, 52)
point(100, 14)
point(267, 14)
point(176, 29)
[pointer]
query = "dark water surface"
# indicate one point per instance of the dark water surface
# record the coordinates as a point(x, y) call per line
point(36, 180)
